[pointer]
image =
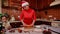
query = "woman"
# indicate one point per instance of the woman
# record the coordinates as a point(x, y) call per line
point(27, 16)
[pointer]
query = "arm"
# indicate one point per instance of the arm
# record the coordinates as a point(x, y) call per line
point(34, 18)
point(21, 18)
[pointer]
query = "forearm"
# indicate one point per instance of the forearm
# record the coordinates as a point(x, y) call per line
point(23, 22)
point(33, 22)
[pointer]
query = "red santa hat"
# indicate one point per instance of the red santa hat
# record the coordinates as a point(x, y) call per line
point(24, 3)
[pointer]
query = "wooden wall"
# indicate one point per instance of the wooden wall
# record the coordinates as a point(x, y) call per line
point(54, 12)
point(13, 8)
point(10, 12)
point(36, 4)
point(39, 4)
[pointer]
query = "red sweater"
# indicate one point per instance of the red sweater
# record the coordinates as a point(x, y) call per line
point(28, 16)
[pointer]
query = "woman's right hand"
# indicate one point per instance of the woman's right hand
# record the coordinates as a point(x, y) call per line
point(23, 23)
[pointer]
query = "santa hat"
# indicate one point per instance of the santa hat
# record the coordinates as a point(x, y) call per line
point(24, 3)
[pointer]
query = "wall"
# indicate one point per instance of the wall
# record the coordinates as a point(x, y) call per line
point(39, 4)
point(0, 6)
point(55, 12)
point(11, 12)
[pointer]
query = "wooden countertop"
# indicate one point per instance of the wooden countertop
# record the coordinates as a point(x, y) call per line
point(39, 20)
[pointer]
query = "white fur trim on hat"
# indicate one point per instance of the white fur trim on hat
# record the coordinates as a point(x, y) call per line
point(25, 4)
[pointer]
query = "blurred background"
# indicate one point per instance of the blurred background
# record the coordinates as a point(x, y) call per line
point(43, 8)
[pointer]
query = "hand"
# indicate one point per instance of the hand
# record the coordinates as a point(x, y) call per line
point(9, 27)
point(23, 23)
point(33, 23)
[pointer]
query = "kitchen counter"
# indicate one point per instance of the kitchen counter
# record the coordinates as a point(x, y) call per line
point(53, 30)
point(39, 20)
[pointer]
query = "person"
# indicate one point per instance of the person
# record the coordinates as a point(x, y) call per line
point(5, 22)
point(27, 16)
point(1, 27)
